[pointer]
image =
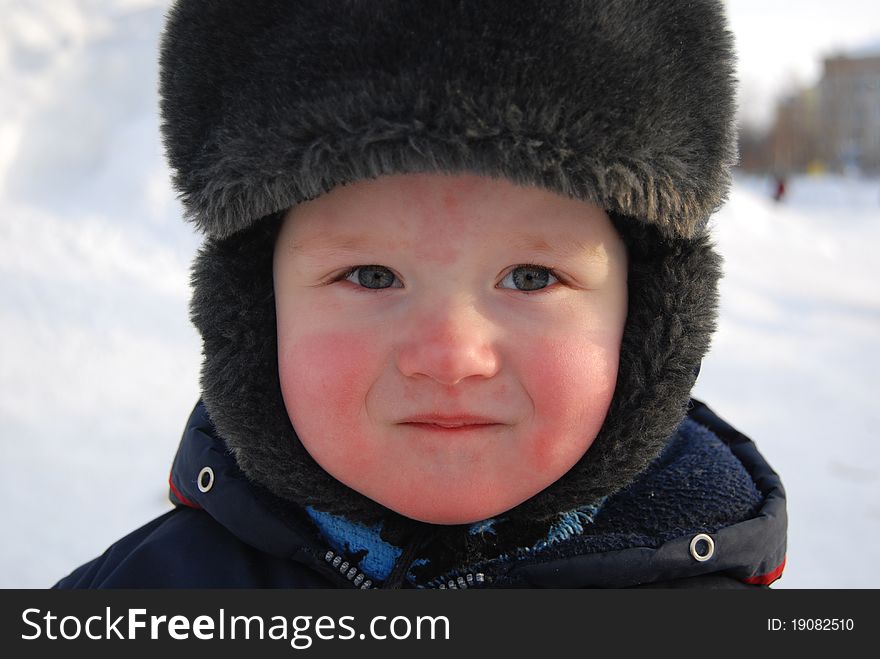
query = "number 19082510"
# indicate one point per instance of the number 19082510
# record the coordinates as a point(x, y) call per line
point(811, 625)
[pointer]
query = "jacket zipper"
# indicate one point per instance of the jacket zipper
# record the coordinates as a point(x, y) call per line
point(469, 580)
point(359, 580)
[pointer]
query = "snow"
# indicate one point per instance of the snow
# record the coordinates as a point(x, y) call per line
point(99, 363)
point(795, 359)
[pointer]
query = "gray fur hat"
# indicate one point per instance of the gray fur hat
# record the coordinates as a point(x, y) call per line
point(625, 103)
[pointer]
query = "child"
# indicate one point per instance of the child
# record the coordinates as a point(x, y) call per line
point(454, 294)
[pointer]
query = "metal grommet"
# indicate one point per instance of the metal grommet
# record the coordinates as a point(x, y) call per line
point(698, 551)
point(205, 481)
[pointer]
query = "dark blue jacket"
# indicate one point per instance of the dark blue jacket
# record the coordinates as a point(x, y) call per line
point(709, 512)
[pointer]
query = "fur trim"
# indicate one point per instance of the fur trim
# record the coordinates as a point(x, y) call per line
point(672, 307)
point(625, 103)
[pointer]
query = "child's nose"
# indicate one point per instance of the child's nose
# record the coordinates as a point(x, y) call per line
point(448, 344)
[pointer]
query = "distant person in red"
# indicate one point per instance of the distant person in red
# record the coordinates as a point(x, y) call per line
point(779, 192)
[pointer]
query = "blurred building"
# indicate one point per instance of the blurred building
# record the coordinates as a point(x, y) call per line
point(797, 131)
point(850, 106)
point(832, 126)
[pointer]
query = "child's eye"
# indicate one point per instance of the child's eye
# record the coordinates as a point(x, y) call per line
point(373, 276)
point(528, 278)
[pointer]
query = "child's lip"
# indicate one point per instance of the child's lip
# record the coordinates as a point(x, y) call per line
point(450, 421)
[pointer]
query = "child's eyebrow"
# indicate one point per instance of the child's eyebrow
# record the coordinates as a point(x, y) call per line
point(568, 246)
point(332, 242)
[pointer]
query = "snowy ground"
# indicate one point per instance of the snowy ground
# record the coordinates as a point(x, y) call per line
point(99, 365)
point(795, 362)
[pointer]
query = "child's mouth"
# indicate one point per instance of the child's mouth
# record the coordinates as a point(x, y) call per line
point(446, 423)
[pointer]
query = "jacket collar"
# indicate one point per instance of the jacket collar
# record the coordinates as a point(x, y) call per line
point(205, 476)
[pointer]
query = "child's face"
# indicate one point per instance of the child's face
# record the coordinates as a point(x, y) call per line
point(448, 345)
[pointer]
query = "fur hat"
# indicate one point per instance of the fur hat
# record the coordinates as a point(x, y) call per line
point(625, 103)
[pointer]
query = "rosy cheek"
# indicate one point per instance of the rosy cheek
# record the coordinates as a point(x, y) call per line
point(324, 379)
point(571, 390)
